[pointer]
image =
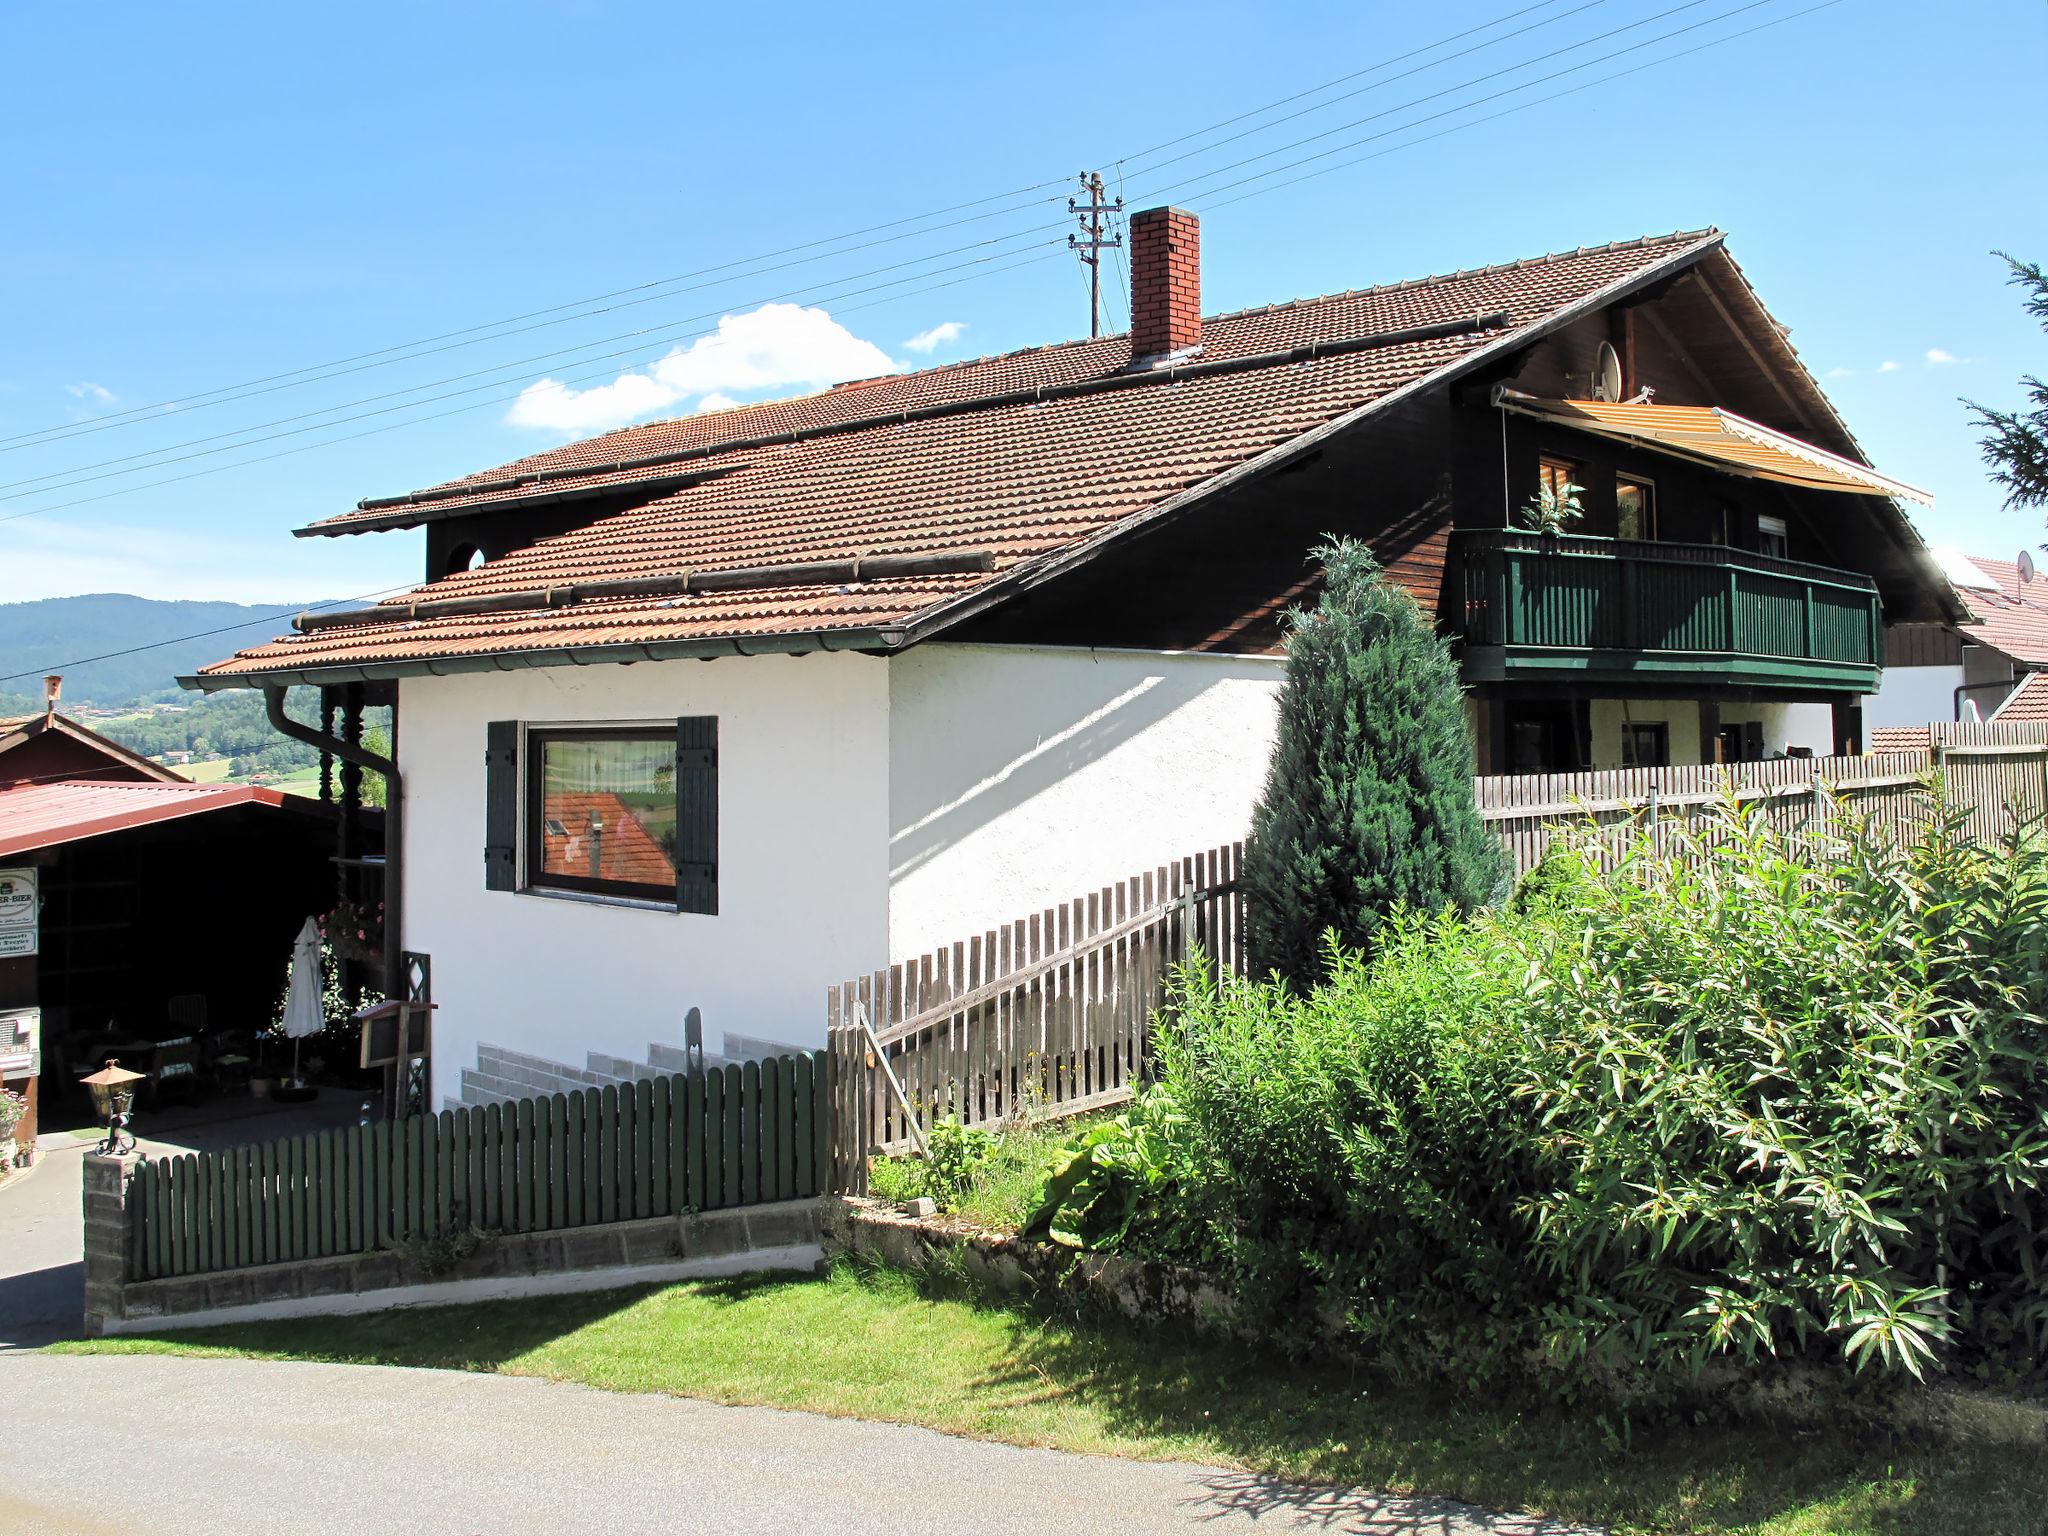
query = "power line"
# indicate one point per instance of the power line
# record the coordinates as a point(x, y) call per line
point(515, 366)
point(201, 399)
point(201, 634)
point(248, 436)
point(1446, 112)
point(1585, 85)
point(1399, 58)
point(1323, 106)
point(158, 458)
point(427, 346)
point(1398, 128)
point(473, 405)
point(1261, 191)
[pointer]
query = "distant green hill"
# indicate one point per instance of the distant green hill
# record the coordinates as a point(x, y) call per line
point(50, 635)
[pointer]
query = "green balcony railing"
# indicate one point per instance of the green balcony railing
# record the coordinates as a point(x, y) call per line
point(1572, 607)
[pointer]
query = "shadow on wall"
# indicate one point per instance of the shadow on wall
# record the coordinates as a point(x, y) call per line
point(977, 771)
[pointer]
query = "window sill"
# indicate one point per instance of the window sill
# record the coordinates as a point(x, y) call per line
point(598, 899)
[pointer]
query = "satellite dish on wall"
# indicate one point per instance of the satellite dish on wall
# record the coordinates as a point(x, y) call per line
point(1607, 374)
point(2026, 565)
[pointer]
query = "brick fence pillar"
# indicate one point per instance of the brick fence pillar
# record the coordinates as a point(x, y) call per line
point(108, 1234)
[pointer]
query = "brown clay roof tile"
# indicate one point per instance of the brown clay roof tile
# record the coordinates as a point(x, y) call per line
point(1023, 480)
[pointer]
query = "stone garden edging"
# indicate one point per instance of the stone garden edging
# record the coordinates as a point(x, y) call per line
point(881, 1231)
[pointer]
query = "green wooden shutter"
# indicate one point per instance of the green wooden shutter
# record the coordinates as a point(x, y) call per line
point(501, 806)
point(697, 814)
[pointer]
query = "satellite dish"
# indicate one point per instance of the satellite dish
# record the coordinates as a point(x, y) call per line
point(2026, 564)
point(1607, 374)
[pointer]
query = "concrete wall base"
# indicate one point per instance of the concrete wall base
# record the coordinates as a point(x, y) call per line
point(781, 1235)
point(801, 1258)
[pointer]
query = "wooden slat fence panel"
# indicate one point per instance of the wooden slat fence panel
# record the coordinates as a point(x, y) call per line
point(737, 1136)
point(1050, 1013)
point(1997, 773)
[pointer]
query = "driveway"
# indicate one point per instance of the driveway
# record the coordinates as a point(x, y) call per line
point(42, 1270)
point(263, 1448)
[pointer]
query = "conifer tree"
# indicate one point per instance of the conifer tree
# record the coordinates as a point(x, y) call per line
point(2016, 442)
point(1368, 802)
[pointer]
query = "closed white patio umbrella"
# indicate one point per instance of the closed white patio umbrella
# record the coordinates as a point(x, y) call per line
point(303, 1011)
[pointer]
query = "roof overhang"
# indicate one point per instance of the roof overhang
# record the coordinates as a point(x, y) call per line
point(1707, 434)
point(52, 815)
point(867, 638)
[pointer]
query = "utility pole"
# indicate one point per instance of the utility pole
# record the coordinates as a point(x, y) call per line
point(1090, 249)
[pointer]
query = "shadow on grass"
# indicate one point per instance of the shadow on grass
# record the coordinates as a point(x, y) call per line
point(478, 1336)
point(1315, 1434)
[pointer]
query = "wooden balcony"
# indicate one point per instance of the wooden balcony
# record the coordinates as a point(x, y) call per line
point(1577, 609)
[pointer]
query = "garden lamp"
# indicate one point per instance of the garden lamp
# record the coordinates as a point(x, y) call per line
point(113, 1099)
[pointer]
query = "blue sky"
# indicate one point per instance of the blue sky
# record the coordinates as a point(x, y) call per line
point(201, 196)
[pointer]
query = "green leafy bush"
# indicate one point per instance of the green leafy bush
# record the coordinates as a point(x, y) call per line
point(1123, 1181)
point(1746, 1096)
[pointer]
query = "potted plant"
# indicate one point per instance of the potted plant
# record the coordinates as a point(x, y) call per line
point(1553, 509)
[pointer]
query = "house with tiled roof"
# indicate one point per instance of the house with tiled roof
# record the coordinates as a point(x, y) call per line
point(878, 668)
point(1988, 665)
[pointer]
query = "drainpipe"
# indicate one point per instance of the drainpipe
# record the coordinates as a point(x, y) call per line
point(394, 826)
point(2007, 683)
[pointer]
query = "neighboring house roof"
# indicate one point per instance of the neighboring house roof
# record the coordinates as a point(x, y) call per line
point(2010, 616)
point(45, 815)
point(69, 748)
point(1035, 458)
point(1899, 738)
point(2027, 702)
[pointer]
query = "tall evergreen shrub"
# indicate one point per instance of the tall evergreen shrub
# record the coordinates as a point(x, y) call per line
point(1368, 802)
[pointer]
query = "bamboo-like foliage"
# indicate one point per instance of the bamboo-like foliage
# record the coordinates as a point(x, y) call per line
point(1766, 1094)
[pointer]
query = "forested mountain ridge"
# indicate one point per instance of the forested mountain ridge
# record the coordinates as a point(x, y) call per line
point(53, 634)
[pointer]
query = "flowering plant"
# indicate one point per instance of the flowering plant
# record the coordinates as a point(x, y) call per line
point(12, 1107)
point(355, 929)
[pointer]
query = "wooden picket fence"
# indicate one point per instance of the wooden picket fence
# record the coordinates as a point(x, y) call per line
point(1050, 1014)
point(1998, 773)
point(736, 1135)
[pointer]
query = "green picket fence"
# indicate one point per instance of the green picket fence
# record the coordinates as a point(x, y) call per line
point(739, 1135)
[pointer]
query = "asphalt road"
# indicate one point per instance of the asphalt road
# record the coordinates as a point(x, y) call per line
point(163, 1446)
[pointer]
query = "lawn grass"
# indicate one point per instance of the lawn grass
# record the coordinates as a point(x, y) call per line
point(877, 1346)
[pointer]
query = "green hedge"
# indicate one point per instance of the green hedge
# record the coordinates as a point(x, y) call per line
point(1746, 1097)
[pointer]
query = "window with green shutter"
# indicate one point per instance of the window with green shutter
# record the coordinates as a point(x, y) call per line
point(609, 811)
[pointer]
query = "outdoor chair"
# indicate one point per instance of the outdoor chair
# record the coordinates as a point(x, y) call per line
point(174, 1072)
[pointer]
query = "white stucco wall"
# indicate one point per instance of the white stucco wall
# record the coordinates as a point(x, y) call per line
point(1682, 716)
point(1916, 696)
point(803, 862)
point(1788, 725)
point(1021, 777)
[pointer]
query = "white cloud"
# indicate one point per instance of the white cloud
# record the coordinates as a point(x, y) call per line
point(716, 402)
point(1936, 357)
point(777, 346)
point(98, 394)
point(937, 336)
point(1888, 366)
point(1840, 373)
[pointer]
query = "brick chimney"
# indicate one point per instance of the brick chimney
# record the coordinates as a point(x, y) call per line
point(1166, 283)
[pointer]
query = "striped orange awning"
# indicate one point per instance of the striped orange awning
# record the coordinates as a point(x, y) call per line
point(1721, 438)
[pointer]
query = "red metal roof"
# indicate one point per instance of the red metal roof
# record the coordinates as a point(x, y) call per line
point(46, 815)
point(1030, 480)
